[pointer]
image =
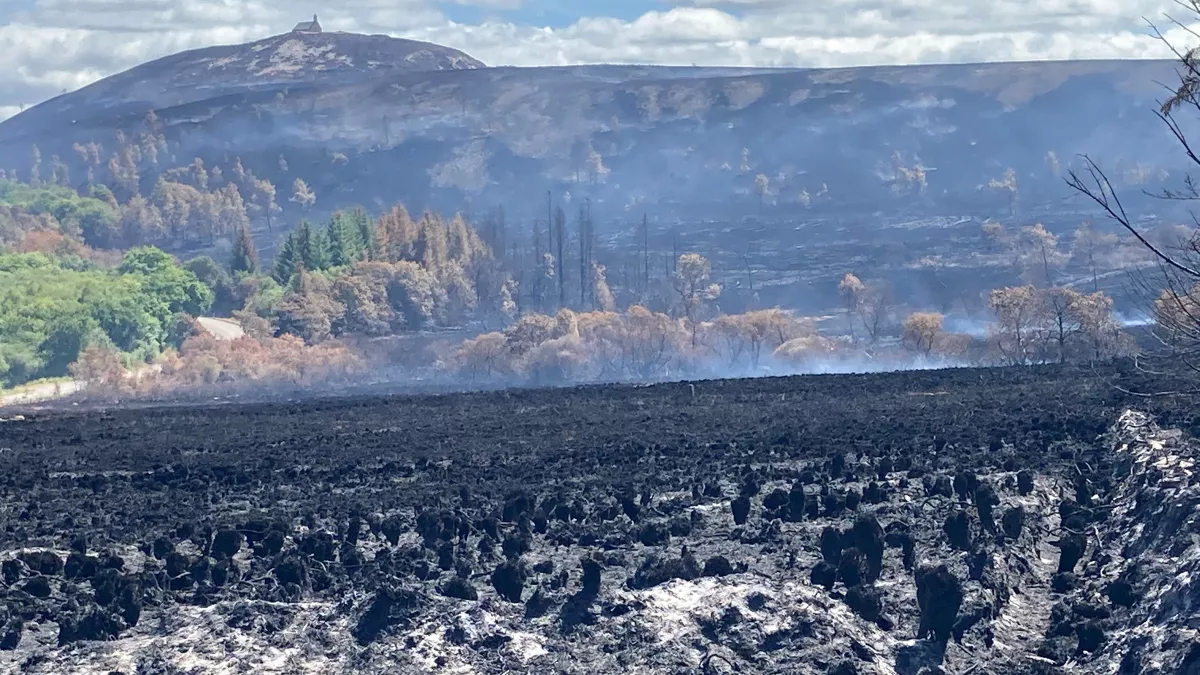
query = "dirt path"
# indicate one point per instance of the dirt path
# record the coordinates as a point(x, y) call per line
point(40, 392)
point(222, 329)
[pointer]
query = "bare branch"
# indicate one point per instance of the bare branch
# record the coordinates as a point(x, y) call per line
point(1104, 195)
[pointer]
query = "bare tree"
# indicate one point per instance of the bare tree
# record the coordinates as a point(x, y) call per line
point(762, 187)
point(560, 235)
point(645, 285)
point(1008, 184)
point(696, 291)
point(852, 291)
point(1173, 291)
point(1088, 246)
point(1039, 254)
point(877, 311)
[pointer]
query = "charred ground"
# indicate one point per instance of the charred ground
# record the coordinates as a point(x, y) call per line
point(968, 520)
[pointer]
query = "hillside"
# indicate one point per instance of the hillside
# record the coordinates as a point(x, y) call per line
point(370, 119)
point(216, 73)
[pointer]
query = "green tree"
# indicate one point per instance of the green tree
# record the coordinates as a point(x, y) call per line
point(366, 232)
point(53, 309)
point(176, 288)
point(286, 260)
point(245, 255)
point(312, 247)
point(132, 319)
point(262, 295)
point(342, 235)
point(67, 336)
point(211, 274)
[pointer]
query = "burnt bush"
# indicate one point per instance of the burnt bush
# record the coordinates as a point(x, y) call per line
point(939, 596)
point(656, 570)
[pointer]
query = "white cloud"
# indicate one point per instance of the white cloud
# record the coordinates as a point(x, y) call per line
point(64, 44)
point(490, 4)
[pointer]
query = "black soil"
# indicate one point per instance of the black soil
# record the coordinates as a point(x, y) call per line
point(911, 522)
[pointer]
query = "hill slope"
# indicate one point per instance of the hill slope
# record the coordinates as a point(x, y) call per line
point(271, 64)
point(369, 120)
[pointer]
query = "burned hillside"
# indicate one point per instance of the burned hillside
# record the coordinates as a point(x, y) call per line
point(975, 520)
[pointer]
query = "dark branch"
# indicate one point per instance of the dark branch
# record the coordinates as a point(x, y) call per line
point(1104, 195)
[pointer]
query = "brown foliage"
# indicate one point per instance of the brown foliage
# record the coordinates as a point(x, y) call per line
point(99, 368)
point(205, 361)
point(750, 333)
point(923, 333)
point(484, 356)
point(309, 309)
point(806, 349)
point(51, 243)
point(1054, 324)
point(567, 347)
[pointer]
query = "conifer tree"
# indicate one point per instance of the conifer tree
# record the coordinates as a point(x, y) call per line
point(286, 260)
point(245, 255)
point(340, 251)
point(344, 239)
point(366, 232)
point(312, 247)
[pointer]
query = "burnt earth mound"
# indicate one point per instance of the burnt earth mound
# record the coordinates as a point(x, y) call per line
point(961, 521)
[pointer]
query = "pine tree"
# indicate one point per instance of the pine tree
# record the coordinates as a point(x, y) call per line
point(286, 260)
point(312, 247)
point(245, 255)
point(344, 239)
point(339, 253)
point(366, 232)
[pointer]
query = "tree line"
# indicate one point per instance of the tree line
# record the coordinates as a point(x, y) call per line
point(358, 275)
point(53, 308)
point(136, 193)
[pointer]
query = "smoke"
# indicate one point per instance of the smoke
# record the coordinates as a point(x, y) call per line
point(436, 379)
point(1134, 320)
point(966, 325)
point(848, 362)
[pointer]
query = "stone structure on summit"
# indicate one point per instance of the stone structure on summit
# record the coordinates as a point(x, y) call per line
point(307, 27)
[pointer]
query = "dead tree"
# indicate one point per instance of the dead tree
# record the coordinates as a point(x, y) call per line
point(1172, 292)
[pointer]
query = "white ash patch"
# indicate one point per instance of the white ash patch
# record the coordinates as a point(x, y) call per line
point(199, 640)
point(676, 610)
point(296, 55)
point(528, 646)
point(466, 170)
point(1154, 507)
point(445, 646)
point(224, 62)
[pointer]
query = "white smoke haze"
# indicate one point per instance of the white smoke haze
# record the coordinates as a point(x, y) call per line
point(1134, 320)
point(967, 325)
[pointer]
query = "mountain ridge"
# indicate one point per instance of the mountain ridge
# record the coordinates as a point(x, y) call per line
point(291, 59)
point(437, 128)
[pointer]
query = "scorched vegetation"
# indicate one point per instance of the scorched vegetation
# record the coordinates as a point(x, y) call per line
point(992, 521)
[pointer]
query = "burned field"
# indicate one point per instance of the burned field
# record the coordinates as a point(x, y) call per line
point(990, 521)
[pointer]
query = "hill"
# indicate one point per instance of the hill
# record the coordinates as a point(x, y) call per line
point(216, 73)
point(371, 119)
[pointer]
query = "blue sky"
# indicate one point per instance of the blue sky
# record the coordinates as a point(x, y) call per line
point(51, 46)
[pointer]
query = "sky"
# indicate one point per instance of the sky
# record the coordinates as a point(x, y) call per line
point(52, 46)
